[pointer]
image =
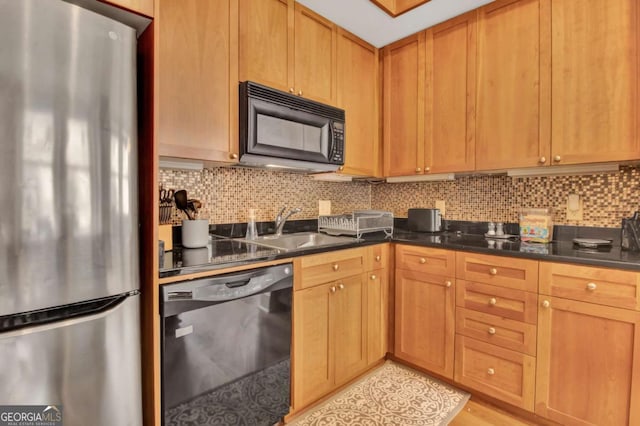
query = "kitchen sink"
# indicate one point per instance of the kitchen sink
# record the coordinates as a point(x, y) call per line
point(299, 241)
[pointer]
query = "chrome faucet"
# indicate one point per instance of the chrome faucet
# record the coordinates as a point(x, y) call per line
point(280, 221)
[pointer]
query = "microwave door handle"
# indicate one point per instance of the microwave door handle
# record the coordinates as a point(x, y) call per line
point(332, 141)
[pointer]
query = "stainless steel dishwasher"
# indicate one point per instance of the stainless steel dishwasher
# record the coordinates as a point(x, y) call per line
point(226, 344)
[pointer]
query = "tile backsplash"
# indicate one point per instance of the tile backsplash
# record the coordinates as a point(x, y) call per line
point(607, 197)
point(228, 193)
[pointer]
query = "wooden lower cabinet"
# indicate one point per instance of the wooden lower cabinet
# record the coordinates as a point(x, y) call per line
point(340, 325)
point(329, 337)
point(588, 370)
point(502, 373)
point(424, 320)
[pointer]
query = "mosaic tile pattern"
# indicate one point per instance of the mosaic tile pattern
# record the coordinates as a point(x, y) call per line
point(228, 193)
point(607, 197)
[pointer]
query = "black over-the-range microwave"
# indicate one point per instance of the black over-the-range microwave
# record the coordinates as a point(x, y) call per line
point(281, 130)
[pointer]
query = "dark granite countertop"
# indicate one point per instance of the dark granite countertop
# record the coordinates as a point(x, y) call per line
point(223, 251)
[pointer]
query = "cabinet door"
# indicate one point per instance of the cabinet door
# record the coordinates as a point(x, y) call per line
point(349, 328)
point(595, 81)
point(377, 314)
point(403, 115)
point(513, 116)
point(588, 370)
point(264, 37)
point(197, 98)
point(314, 56)
point(425, 321)
point(358, 95)
point(312, 363)
point(451, 96)
point(143, 7)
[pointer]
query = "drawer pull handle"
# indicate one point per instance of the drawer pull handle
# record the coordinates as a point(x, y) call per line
point(493, 271)
point(591, 286)
point(373, 277)
point(447, 284)
point(492, 330)
point(493, 301)
point(546, 304)
point(378, 258)
point(491, 371)
point(423, 260)
point(332, 289)
point(336, 267)
point(341, 286)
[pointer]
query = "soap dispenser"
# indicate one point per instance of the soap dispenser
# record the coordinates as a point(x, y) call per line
point(252, 232)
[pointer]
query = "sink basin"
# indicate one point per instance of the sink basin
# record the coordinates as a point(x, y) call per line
point(299, 241)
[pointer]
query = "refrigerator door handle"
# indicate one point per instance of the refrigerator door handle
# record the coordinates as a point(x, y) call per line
point(32, 329)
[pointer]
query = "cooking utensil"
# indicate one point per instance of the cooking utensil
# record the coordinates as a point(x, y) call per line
point(166, 195)
point(182, 202)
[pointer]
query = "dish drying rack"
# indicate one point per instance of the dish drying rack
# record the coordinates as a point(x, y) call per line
point(357, 223)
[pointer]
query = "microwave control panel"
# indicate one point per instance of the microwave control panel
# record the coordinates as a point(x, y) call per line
point(337, 155)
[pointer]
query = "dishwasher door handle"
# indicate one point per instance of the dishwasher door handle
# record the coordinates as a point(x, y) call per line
point(235, 284)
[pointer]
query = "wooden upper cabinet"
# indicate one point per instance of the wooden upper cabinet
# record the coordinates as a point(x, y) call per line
point(142, 7)
point(403, 106)
point(451, 96)
point(197, 87)
point(513, 104)
point(315, 56)
point(358, 94)
point(284, 45)
point(595, 81)
point(264, 39)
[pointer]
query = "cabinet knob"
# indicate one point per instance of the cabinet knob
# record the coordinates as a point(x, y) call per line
point(447, 284)
point(542, 160)
point(341, 286)
point(493, 301)
point(492, 330)
point(378, 258)
point(546, 304)
point(423, 260)
point(373, 277)
point(418, 169)
point(427, 169)
point(341, 168)
point(591, 286)
point(336, 267)
point(291, 90)
point(557, 158)
point(299, 92)
point(233, 156)
point(332, 289)
point(493, 271)
point(491, 371)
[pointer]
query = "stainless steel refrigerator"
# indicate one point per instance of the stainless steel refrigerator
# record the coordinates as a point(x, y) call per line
point(69, 278)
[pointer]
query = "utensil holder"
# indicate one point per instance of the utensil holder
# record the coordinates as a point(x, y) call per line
point(630, 235)
point(195, 233)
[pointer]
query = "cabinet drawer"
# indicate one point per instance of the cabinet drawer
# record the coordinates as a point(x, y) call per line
point(494, 371)
point(426, 259)
point(520, 274)
point(503, 332)
point(378, 257)
point(326, 267)
point(603, 286)
point(513, 304)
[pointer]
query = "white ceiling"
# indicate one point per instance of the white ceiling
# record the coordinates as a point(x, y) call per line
point(370, 23)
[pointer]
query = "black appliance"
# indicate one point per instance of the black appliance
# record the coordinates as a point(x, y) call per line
point(226, 344)
point(281, 130)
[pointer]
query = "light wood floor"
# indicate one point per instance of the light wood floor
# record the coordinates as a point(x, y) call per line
point(478, 413)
